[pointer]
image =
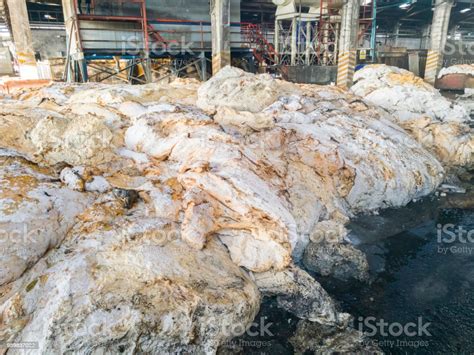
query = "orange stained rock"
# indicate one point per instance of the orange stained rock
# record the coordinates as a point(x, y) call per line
point(14, 190)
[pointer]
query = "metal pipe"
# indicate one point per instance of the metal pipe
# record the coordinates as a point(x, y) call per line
point(145, 27)
point(109, 18)
point(294, 33)
point(308, 43)
point(373, 36)
point(277, 39)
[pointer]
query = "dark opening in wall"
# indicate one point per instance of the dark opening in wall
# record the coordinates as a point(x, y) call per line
point(45, 13)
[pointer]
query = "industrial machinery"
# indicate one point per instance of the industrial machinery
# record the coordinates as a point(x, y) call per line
point(307, 31)
point(143, 32)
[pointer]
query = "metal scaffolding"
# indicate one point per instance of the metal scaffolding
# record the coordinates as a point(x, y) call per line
point(308, 38)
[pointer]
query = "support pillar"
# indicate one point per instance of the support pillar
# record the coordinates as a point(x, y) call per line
point(309, 43)
point(203, 67)
point(439, 32)
point(373, 34)
point(425, 37)
point(22, 38)
point(220, 21)
point(347, 58)
point(147, 67)
point(396, 31)
point(75, 55)
point(277, 41)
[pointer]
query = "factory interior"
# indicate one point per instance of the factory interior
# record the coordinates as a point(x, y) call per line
point(236, 176)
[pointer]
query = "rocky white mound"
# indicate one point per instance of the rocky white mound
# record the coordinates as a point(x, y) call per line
point(439, 124)
point(466, 100)
point(467, 69)
point(189, 203)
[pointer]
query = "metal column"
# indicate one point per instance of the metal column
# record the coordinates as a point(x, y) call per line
point(309, 43)
point(75, 56)
point(373, 35)
point(277, 41)
point(294, 41)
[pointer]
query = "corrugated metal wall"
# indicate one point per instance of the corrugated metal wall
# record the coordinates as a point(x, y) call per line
point(188, 21)
point(184, 23)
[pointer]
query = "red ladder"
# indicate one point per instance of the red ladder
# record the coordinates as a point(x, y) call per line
point(263, 50)
point(155, 34)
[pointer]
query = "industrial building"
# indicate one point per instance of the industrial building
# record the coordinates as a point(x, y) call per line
point(236, 177)
point(301, 41)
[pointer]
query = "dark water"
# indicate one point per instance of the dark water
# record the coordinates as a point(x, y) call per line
point(282, 326)
point(423, 276)
point(419, 275)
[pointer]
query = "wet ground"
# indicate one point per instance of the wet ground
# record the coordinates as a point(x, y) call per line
point(421, 296)
point(424, 275)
